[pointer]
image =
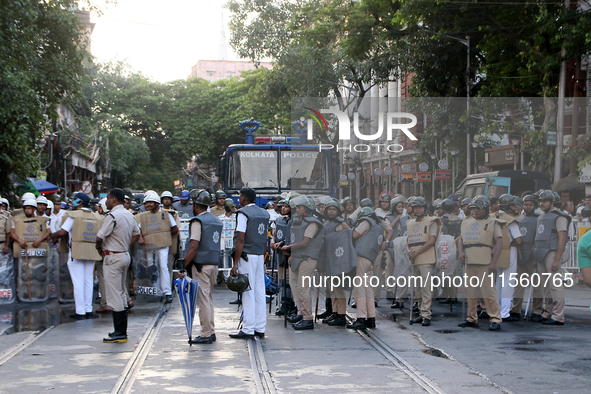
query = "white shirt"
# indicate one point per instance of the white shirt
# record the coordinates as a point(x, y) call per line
point(242, 221)
point(461, 215)
point(380, 213)
point(272, 214)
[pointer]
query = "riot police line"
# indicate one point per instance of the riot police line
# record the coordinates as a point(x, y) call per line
point(453, 250)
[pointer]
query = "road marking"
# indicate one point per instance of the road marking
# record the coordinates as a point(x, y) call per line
point(262, 377)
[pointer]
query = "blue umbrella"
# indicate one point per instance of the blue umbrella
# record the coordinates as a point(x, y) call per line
point(188, 290)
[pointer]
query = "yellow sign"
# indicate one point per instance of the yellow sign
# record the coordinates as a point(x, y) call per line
point(344, 183)
point(581, 231)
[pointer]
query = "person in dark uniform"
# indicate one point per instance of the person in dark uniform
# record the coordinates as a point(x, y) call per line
point(203, 255)
point(250, 241)
point(118, 232)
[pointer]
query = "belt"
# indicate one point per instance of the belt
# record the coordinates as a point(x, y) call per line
point(108, 252)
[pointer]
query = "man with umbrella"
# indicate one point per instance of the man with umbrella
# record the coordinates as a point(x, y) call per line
point(203, 255)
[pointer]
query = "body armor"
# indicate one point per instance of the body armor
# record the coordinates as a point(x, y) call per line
point(282, 233)
point(418, 235)
point(505, 258)
point(546, 234)
point(209, 250)
point(156, 229)
point(255, 238)
point(86, 226)
point(370, 244)
point(478, 239)
point(528, 226)
point(312, 250)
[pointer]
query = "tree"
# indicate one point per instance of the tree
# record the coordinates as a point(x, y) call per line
point(41, 64)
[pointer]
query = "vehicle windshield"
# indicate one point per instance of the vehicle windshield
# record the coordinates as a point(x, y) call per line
point(256, 169)
point(304, 170)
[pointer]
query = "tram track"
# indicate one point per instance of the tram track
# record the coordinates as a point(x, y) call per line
point(126, 380)
point(262, 378)
point(395, 359)
point(19, 347)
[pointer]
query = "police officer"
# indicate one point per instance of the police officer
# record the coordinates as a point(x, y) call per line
point(464, 207)
point(157, 227)
point(397, 220)
point(368, 239)
point(41, 206)
point(182, 206)
point(384, 207)
point(480, 246)
point(100, 268)
point(220, 199)
point(118, 232)
point(336, 263)
point(451, 225)
point(421, 242)
point(305, 245)
point(173, 252)
point(250, 241)
point(166, 199)
point(382, 258)
point(349, 209)
point(229, 209)
point(81, 225)
point(507, 264)
point(18, 231)
point(526, 264)
point(5, 226)
point(549, 245)
point(203, 255)
point(281, 237)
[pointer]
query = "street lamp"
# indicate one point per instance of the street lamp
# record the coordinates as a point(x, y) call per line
point(454, 169)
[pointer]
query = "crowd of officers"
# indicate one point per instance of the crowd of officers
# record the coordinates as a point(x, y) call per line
point(503, 238)
point(498, 243)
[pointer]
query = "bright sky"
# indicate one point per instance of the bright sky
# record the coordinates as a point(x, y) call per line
point(162, 39)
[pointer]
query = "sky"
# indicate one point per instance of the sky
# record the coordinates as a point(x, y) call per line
point(162, 39)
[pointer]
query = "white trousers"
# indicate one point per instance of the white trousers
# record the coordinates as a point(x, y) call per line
point(82, 274)
point(253, 301)
point(163, 272)
point(506, 286)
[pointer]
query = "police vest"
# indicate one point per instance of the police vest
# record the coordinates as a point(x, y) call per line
point(208, 252)
point(418, 235)
point(156, 229)
point(451, 225)
point(478, 239)
point(282, 233)
point(255, 238)
point(505, 257)
point(546, 234)
point(29, 230)
point(527, 227)
point(399, 226)
point(174, 248)
point(312, 250)
point(369, 245)
point(86, 226)
point(331, 225)
point(4, 226)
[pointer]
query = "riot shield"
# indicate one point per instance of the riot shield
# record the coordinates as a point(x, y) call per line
point(33, 274)
point(447, 259)
point(7, 283)
point(66, 287)
point(146, 273)
point(53, 260)
point(401, 260)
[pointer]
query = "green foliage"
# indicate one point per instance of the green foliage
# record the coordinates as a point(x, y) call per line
point(40, 64)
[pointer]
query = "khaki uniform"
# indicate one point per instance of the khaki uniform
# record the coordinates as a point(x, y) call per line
point(217, 211)
point(364, 294)
point(377, 264)
point(478, 238)
point(117, 230)
point(419, 231)
point(306, 269)
point(5, 226)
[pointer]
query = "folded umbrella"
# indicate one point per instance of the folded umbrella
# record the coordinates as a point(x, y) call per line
point(188, 290)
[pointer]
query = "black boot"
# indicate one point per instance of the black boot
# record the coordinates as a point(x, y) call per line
point(329, 319)
point(358, 325)
point(339, 320)
point(370, 322)
point(328, 311)
point(120, 324)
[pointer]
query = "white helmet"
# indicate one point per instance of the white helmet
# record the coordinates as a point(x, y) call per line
point(49, 205)
point(41, 200)
point(5, 201)
point(28, 196)
point(30, 203)
point(166, 194)
point(103, 204)
point(151, 196)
